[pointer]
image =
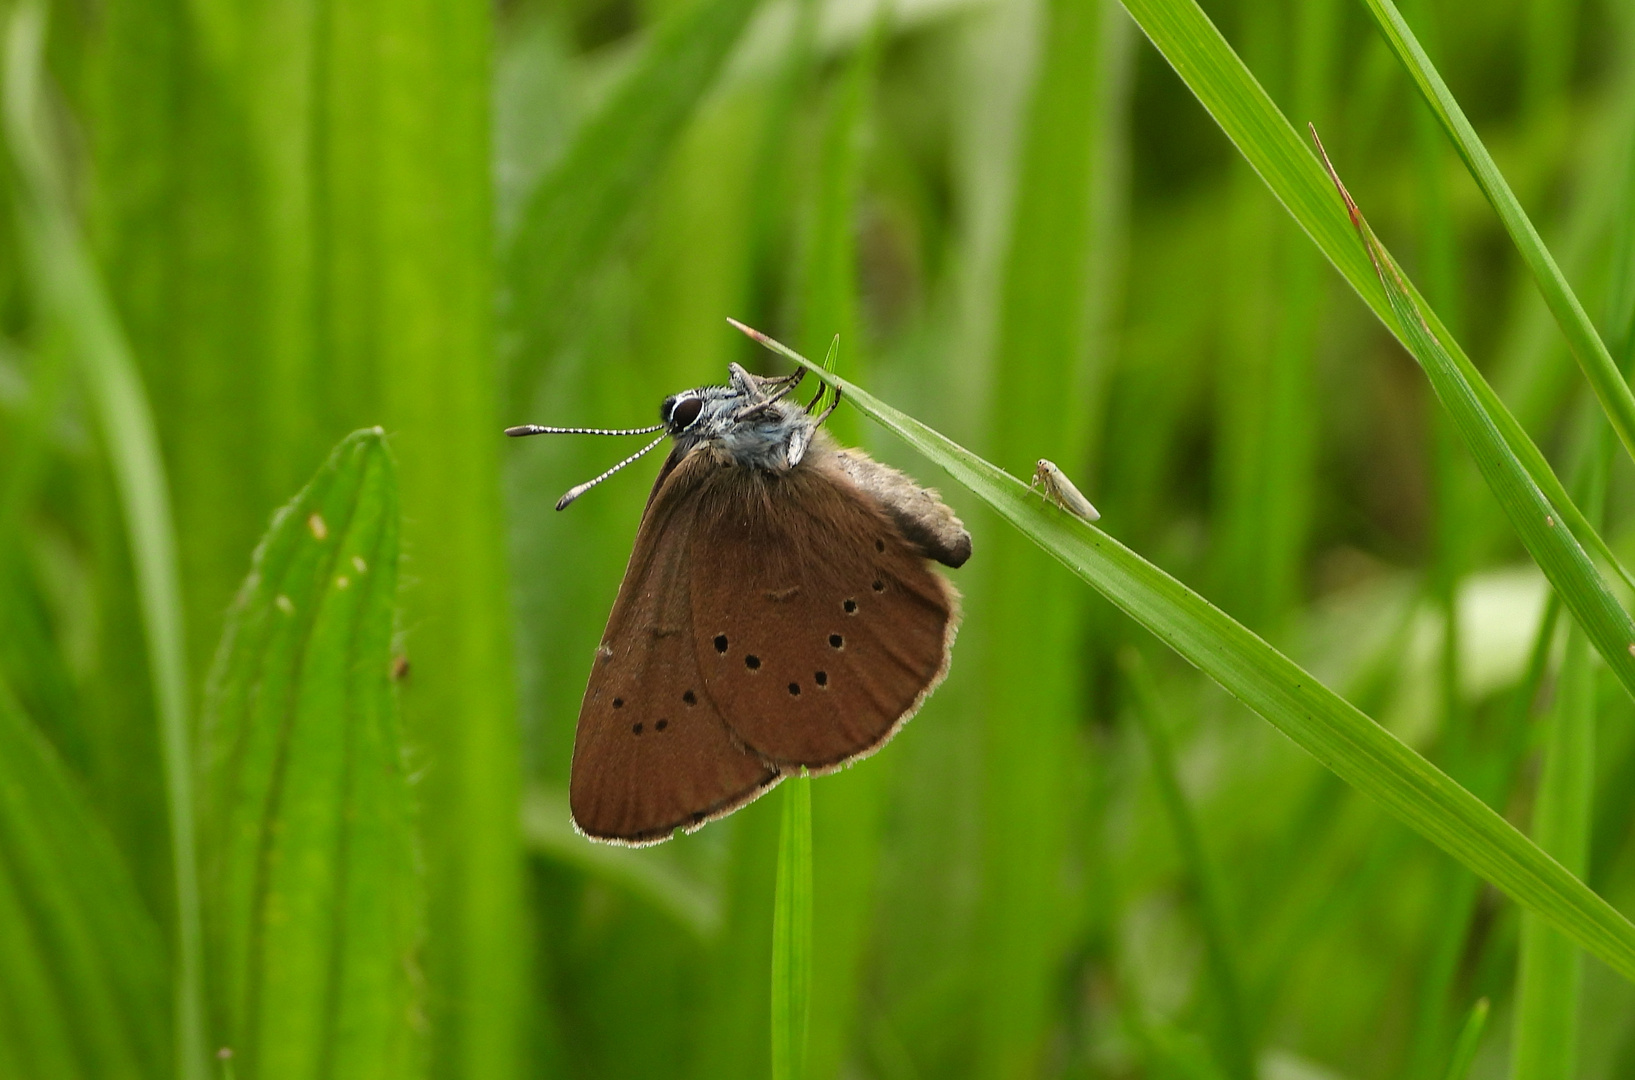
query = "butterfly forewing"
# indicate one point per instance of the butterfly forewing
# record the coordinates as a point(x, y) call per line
point(652, 752)
point(819, 628)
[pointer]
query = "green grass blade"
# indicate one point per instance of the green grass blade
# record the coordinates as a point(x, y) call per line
point(831, 256)
point(1492, 779)
point(1526, 487)
point(1489, 776)
point(1587, 346)
point(1545, 1040)
point(1264, 481)
point(792, 933)
point(847, 810)
point(1234, 1038)
point(84, 982)
point(574, 216)
point(1333, 731)
point(1538, 523)
point(1451, 480)
point(1225, 87)
point(73, 297)
point(315, 897)
point(411, 315)
point(1544, 1045)
point(1046, 377)
point(1470, 1039)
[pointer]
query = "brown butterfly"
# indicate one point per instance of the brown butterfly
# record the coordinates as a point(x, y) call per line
point(778, 612)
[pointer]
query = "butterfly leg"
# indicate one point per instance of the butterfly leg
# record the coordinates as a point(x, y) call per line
point(833, 405)
point(790, 381)
point(759, 408)
point(823, 388)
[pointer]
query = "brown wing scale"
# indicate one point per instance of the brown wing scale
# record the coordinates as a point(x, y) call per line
point(818, 626)
point(652, 753)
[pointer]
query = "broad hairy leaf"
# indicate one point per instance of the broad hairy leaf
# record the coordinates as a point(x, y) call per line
point(312, 891)
point(1332, 730)
point(84, 986)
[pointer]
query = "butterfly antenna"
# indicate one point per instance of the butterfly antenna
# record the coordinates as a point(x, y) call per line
point(579, 489)
point(536, 429)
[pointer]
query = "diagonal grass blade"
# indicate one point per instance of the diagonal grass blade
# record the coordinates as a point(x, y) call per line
point(1535, 519)
point(1336, 733)
point(1195, 48)
point(1587, 347)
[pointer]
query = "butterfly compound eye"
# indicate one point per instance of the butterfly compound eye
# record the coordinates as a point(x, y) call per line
point(685, 412)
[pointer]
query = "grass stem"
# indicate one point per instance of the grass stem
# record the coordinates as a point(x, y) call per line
point(1235, 1045)
point(792, 933)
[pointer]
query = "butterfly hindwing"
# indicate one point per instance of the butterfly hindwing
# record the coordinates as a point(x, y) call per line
point(652, 753)
point(818, 626)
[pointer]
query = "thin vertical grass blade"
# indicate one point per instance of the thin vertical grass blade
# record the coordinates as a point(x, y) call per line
point(1233, 1032)
point(573, 217)
point(1587, 347)
point(1490, 777)
point(792, 933)
point(1544, 1044)
point(846, 809)
point(1041, 407)
point(1451, 909)
point(1470, 1039)
point(1337, 734)
point(71, 294)
point(83, 982)
point(413, 308)
point(831, 256)
point(1268, 415)
point(315, 897)
point(1225, 87)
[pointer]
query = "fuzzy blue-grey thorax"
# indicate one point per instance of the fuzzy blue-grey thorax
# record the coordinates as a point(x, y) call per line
point(748, 422)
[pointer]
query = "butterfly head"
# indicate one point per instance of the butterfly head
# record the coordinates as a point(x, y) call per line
point(747, 422)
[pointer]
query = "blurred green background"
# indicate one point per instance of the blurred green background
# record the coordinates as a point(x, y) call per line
point(294, 218)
